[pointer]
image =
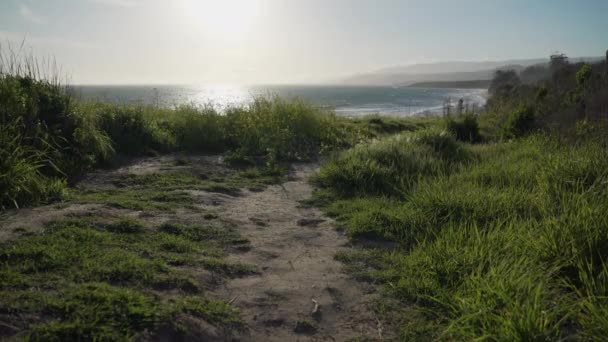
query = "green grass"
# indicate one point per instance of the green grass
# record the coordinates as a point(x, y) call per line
point(377, 126)
point(166, 192)
point(141, 200)
point(84, 279)
point(506, 243)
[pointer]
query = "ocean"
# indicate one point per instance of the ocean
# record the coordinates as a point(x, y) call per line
point(345, 100)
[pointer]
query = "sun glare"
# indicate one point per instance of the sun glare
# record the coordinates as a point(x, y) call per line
point(224, 19)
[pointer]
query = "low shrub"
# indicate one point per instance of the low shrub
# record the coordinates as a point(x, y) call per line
point(465, 127)
point(519, 123)
point(133, 130)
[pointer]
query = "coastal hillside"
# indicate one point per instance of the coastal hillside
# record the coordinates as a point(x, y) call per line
point(303, 171)
point(282, 221)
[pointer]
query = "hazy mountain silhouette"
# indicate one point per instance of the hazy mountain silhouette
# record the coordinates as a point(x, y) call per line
point(456, 71)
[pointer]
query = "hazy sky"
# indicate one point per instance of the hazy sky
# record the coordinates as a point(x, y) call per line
point(291, 41)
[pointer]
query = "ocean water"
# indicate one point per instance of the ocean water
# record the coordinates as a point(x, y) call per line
point(345, 100)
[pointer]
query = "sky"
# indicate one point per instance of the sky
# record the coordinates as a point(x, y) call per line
point(290, 41)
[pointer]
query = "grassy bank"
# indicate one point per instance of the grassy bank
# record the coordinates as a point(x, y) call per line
point(500, 241)
point(504, 242)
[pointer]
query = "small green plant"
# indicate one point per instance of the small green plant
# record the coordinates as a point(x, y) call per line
point(305, 327)
point(583, 76)
point(583, 128)
point(465, 127)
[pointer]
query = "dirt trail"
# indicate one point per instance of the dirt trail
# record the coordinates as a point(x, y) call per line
point(294, 248)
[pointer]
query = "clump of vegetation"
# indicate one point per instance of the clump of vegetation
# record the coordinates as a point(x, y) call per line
point(44, 139)
point(148, 200)
point(392, 166)
point(204, 233)
point(172, 190)
point(305, 327)
point(519, 123)
point(464, 127)
point(288, 130)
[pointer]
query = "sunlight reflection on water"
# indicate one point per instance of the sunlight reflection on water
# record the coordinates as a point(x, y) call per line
point(348, 101)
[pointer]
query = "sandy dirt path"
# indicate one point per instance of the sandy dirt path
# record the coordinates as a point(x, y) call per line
point(294, 246)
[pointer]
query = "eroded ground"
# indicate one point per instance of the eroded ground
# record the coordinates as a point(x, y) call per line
point(180, 247)
point(294, 248)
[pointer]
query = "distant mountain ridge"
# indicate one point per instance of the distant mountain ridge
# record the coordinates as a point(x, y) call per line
point(456, 71)
point(459, 66)
point(475, 84)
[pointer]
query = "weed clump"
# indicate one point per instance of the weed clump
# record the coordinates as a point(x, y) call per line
point(305, 327)
point(126, 226)
point(98, 311)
